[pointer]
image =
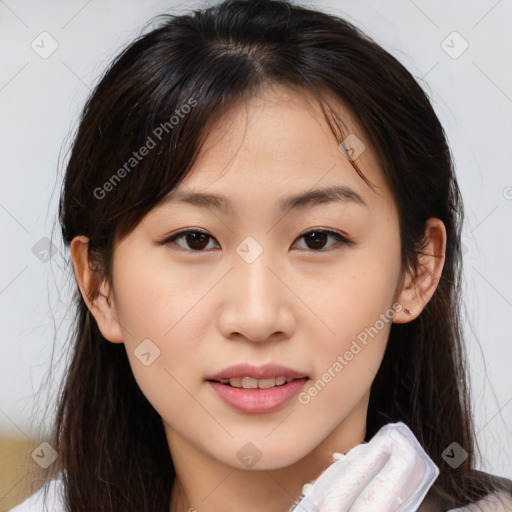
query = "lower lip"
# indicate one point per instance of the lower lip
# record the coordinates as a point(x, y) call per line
point(257, 401)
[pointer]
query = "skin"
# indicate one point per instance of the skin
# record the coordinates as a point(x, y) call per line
point(298, 304)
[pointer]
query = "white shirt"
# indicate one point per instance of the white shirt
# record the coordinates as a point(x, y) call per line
point(35, 503)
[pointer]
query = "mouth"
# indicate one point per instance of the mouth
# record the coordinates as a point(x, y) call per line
point(257, 390)
point(256, 398)
point(252, 383)
point(247, 376)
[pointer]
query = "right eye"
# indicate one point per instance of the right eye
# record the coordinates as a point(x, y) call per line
point(196, 239)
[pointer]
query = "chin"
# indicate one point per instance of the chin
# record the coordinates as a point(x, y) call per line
point(261, 456)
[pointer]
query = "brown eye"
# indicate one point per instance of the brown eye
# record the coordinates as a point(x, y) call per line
point(317, 238)
point(195, 240)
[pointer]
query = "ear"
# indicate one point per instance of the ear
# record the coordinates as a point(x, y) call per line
point(95, 291)
point(421, 283)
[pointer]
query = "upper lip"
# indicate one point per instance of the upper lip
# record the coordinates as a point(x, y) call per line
point(257, 372)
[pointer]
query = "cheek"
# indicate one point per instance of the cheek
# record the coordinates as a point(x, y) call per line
point(356, 309)
point(349, 354)
point(152, 298)
point(160, 326)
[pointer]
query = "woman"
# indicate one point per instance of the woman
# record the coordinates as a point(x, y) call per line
point(264, 224)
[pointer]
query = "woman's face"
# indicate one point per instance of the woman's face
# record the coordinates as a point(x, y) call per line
point(254, 288)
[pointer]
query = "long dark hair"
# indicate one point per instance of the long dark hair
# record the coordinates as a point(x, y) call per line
point(110, 440)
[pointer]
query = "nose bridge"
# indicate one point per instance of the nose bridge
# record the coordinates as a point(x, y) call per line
point(258, 283)
point(256, 304)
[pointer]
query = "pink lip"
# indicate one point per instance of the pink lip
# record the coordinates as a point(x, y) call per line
point(263, 372)
point(258, 401)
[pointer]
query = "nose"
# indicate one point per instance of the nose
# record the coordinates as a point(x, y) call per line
point(257, 303)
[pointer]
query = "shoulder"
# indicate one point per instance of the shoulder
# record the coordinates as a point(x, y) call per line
point(37, 503)
point(498, 501)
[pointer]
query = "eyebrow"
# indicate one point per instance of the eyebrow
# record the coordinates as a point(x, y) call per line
point(300, 201)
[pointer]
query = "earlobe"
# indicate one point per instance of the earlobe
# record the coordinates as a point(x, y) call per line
point(95, 292)
point(421, 283)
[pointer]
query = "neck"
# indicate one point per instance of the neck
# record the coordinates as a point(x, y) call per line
point(204, 484)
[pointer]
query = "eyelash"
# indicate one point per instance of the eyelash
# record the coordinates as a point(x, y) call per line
point(338, 236)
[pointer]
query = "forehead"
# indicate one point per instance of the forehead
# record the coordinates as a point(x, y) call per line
point(277, 142)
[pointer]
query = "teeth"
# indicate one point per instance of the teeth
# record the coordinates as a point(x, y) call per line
point(267, 383)
point(250, 383)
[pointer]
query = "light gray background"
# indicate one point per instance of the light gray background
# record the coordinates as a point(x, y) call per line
point(40, 100)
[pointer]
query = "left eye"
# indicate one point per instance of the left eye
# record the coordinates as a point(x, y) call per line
point(319, 236)
point(198, 240)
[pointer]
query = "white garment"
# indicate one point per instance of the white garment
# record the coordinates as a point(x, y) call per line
point(35, 503)
point(390, 473)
